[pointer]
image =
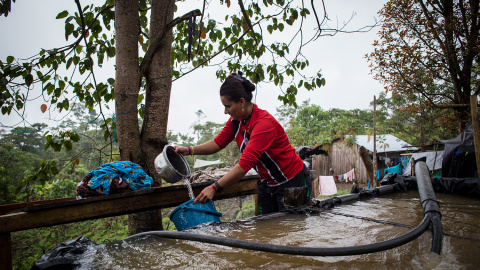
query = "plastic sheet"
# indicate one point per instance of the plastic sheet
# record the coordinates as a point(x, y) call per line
point(65, 255)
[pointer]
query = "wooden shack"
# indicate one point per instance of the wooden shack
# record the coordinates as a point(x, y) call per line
point(342, 158)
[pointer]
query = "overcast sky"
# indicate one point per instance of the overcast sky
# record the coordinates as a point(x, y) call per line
point(341, 59)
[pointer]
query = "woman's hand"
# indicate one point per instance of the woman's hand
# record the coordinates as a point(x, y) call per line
point(181, 149)
point(205, 196)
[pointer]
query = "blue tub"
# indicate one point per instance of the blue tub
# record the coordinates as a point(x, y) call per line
point(188, 214)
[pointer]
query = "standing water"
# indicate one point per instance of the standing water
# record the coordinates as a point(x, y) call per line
point(357, 223)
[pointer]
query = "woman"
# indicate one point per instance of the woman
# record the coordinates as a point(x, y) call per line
point(264, 146)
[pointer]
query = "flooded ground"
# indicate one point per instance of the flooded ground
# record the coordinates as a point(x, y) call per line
point(340, 226)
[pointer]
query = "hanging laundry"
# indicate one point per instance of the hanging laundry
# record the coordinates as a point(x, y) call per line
point(395, 169)
point(326, 185)
point(351, 175)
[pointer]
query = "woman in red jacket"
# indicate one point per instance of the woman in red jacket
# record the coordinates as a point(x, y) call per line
point(264, 146)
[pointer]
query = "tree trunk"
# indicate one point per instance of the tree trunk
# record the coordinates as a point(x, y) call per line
point(127, 78)
point(158, 87)
point(142, 148)
point(154, 129)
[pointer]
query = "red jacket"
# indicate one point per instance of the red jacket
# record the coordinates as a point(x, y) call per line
point(264, 146)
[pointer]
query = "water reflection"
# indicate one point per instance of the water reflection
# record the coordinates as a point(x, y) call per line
point(332, 228)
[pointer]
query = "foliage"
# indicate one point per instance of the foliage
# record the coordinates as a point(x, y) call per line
point(311, 125)
point(26, 139)
point(428, 53)
point(418, 124)
point(339, 192)
point(30, 245)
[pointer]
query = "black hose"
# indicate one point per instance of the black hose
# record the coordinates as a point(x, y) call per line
point(431, 215)
point(305, 251)
point(429, 204)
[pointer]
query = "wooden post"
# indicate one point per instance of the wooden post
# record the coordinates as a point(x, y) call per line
point(374, 180)
point(476, 134)
point(368, 164)
point(6, 251)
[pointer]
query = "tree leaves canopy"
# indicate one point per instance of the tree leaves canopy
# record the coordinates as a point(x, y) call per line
point(430, 49)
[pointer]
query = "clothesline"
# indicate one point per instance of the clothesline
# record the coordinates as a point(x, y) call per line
point(346, 177)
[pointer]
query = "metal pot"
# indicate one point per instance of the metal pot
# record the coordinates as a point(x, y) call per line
point(170, 166)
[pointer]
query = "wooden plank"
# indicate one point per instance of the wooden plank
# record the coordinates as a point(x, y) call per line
point(6, 251)
point(476, 134)
point(113, 205)
point(7, 208)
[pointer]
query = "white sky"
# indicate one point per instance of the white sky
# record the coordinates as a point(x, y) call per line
point(31, 25)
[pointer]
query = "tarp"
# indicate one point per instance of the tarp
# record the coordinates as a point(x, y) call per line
point(386, 143)
point(459, 155)
point(202, 163)
point(65, 255)
point(456, 186)
point(430, 159)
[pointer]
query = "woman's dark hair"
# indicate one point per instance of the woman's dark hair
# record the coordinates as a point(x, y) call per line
point(236, 87)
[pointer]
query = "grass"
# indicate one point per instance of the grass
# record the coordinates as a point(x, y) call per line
point(339, 192)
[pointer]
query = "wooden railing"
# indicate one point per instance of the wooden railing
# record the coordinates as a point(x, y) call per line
point(23, 216)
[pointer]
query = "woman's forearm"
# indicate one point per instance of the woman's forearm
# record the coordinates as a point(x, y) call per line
point(233, 176)
point(207, 148)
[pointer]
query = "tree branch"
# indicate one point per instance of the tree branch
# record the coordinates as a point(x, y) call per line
point(154, 45)
point(249, 23)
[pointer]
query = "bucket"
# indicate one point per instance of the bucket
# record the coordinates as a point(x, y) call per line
point(188, 214)
point(170, 166)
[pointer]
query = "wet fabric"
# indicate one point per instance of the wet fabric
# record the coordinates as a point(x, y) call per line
point(114, 176)
point(209, 174)
point(116, 186)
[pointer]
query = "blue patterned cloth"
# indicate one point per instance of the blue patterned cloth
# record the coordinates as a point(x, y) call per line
point(130, 172)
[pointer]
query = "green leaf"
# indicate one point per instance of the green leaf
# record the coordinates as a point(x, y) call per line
point(270, 29)
point(78, 49)
point(68, 145)
point(111, 81)
point(281, 26)
point(10, 59)
point(69, 62)
point(68, 30)
point(29, 79)
point(69, 19)
point(62, 14)
point(111, 52)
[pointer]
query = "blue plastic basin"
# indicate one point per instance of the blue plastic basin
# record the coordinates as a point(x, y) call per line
point(188, 214)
